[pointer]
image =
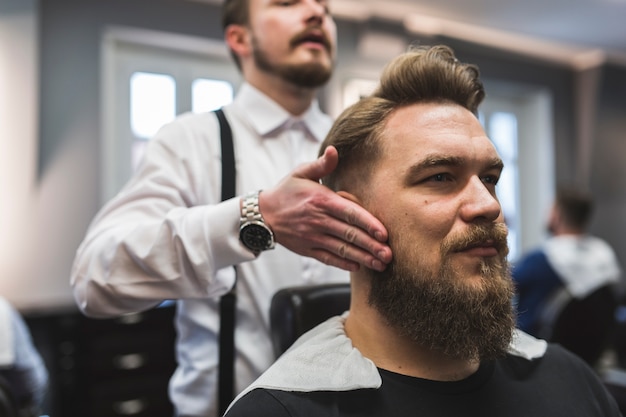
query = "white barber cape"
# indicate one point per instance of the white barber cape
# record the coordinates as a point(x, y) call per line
point(584, 263)
point(305, 366)
point(7, 343)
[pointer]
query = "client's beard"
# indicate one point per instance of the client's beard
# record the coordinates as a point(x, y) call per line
point(438, 309)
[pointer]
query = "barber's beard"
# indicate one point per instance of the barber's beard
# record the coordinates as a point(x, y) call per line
point(440, 309)
point(307, 75)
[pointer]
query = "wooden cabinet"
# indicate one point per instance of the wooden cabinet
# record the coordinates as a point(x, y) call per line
point(107, 368)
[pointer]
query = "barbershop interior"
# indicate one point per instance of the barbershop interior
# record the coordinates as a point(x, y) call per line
point(85, 84)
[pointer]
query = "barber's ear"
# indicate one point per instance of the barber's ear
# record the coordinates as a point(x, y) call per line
point(237, 38)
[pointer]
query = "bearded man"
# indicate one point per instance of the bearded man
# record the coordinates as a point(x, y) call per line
point(434, 333)
point(171, 234)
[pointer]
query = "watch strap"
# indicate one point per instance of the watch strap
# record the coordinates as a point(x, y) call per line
point(250, 210)
point(254, 233)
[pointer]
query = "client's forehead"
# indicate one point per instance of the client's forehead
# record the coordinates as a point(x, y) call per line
point(419, 130)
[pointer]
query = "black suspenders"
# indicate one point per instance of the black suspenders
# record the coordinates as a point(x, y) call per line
point(226, 372)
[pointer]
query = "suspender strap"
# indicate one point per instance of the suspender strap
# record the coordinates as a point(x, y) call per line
point(226, 371)
point(228, 157)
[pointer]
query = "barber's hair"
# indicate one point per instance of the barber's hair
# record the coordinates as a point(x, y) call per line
point(235, 12)
point(575, 207)
point(421, 75)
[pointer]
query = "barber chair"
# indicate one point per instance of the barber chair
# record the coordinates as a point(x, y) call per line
point(295, 310)
point(587, 327)
point(8, 406)
point(614, 380)
point(583, 326)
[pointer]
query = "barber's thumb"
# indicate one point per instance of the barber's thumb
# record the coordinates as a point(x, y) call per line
point(321, 167)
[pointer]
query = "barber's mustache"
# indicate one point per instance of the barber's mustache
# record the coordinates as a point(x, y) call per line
point(312, 34)
point(494, 234)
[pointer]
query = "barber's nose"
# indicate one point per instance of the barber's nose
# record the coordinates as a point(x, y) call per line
point(480, 202)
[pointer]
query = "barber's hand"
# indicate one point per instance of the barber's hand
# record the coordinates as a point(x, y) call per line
point(312, 220)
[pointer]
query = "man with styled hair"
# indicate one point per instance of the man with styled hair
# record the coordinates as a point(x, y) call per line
point(169, 236)
point(433, 334)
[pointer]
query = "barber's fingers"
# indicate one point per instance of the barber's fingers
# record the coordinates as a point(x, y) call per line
point(319, 168)
point(345, 256)
point(353, 243)
point(334, 241)
point(353, 214)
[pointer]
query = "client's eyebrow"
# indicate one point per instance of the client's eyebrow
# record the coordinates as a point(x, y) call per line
point(433, 161)
point(496, 163)
point(436, 160)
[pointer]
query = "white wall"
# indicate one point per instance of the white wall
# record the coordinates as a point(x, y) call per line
point(18, 146)
point(39, 208)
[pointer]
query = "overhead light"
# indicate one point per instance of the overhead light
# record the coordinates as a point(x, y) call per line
point(423, 25)
point(589, 59)
point(379, 45)
point(576, 57)
point(351, 10)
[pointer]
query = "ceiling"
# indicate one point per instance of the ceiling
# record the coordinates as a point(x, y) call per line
point(582, 33)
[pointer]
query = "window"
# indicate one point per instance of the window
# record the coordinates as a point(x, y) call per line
point(152, 102)
point(357, 88)
point(518, 120)
point(501, 127)
point(209, 95)
point(149, 78)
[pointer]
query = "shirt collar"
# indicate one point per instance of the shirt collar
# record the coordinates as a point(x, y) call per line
point(267, 116)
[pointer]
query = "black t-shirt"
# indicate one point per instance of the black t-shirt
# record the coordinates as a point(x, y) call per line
point(557, 384)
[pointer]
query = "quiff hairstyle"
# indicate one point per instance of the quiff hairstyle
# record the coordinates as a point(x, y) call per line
point(421, 75)
point(235, 12)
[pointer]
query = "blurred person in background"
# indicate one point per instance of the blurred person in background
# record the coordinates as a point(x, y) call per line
point(22, 369)
point(570, 258)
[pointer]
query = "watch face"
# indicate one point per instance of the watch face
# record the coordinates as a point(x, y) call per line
point(256, 237)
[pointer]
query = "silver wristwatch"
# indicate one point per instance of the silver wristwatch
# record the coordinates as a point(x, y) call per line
point(254, 233)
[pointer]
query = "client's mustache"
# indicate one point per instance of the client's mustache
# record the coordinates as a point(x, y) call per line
point(494, 234)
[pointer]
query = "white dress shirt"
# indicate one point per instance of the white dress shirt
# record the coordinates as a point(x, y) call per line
point(166, 235)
